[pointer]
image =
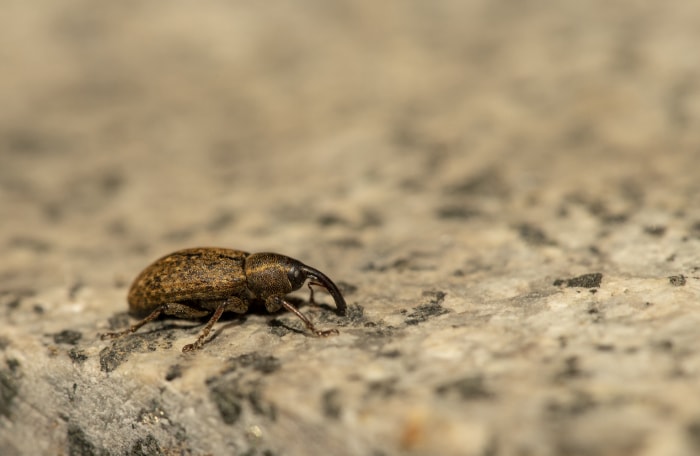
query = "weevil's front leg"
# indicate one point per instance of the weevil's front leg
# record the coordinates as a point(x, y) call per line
point(310, 326)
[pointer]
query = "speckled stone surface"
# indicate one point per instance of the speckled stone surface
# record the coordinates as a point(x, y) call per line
point(508, 194)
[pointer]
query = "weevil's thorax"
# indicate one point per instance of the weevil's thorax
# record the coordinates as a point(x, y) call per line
point(270, 274)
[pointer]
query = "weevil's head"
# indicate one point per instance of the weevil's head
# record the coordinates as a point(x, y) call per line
point(270, 274)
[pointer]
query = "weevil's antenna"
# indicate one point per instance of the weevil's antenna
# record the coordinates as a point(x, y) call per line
point(328, 284)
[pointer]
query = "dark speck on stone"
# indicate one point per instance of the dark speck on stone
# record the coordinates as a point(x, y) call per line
point(695, 229)
point(655, 230)
point(174, 371)
point(571, 370)
point(80, 444)
point(467, 388)
point(533, 235)
point(331, 219)
point(487, 183)
point(390, 354)
point(431, 309)
point(231, 392)
point(382, 388)
point(146, 447)
point(591, 280)
point(346, 288)
point(677, 280)
point(77, 356)
point(278, 328)
point(348, 242)
point(356, 313)
point(13, 364)
point(264, 364)
point(331, 404)
point(118, 352)
point(456, 212)
point(577, 405)
point(663, 345)
point(220, 221)
point(67, 336)
point(693, 432)
point(229, 401)
point(9, 388)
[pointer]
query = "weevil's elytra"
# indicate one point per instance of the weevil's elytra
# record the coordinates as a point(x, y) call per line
point(194, 283)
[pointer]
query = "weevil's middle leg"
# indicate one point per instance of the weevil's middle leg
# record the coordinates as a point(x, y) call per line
point(152, 316)
point(232, 304)
point(205, 331)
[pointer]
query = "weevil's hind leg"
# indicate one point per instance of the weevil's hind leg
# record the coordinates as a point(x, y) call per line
point(172, 309)
point(152, 316)
point(310, 326)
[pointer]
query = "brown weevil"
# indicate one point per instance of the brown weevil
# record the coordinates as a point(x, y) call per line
point(194, 283)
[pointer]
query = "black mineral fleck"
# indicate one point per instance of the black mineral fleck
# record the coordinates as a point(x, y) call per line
point(426, 311)
point(677, 280)
point(67, 336)
point(466, 388)
point(591, 280)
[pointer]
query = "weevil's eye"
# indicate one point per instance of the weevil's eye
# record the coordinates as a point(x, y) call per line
point(296, 277)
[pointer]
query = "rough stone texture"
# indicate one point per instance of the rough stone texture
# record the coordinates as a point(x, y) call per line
point(506, 192)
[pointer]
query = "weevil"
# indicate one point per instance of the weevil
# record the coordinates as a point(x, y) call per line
point(194, 283)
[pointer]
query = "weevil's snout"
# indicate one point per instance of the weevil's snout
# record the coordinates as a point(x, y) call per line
point(319, 277)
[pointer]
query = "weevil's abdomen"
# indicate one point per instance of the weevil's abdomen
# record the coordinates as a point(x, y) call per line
point(199, 274)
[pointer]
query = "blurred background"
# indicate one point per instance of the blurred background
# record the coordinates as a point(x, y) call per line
point(139, 127)
point(141, 121)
